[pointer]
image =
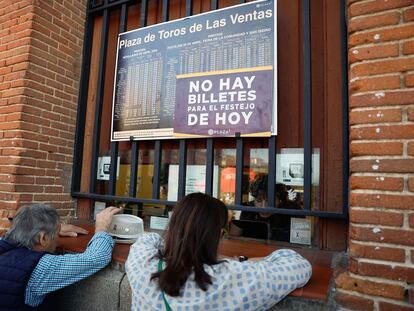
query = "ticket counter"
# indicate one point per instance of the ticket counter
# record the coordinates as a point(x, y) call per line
point(112, 281)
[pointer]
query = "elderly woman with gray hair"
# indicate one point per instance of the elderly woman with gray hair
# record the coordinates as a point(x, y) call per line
point(28, 268)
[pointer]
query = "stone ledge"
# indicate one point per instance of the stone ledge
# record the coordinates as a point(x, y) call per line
point(321, 261)
point(109, 289)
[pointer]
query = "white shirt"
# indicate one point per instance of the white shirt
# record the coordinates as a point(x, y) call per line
point(247, 285)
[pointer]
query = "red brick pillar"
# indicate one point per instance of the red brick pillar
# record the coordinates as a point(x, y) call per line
point(40, 59)
point(381, 100)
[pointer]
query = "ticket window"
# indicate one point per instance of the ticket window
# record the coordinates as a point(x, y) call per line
point(288, 185)
point(326, 191)
point(154, 215)
point(252, 224)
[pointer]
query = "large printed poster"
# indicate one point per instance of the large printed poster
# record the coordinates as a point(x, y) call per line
point(208, 75)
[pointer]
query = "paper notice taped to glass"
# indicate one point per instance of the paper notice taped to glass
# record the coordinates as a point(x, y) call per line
point(159, 223)
point(104, 168)
point(300, 231)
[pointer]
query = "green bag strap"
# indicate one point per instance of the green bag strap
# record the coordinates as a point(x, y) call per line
point(167, 306)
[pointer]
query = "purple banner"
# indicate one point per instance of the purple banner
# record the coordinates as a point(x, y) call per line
point(224, 103)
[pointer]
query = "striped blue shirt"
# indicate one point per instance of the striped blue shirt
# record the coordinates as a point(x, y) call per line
point(54, 272)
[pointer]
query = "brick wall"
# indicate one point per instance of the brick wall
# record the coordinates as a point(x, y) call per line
point(40, 59)
point(380, 275)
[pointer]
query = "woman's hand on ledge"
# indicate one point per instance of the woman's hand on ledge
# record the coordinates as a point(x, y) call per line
point(255, 258)
point(71, 230)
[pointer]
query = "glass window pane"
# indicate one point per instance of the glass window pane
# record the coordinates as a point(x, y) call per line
point(195, 180)
point(124, 170)
point(169, 171)
point(225, 161)
point(145, 170)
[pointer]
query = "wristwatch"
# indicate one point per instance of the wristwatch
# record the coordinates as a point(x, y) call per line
point(243, 258)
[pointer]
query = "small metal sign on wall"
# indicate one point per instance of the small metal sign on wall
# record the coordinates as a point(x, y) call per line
point(209, 75)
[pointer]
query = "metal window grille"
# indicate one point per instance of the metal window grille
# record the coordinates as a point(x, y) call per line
point(103, 8)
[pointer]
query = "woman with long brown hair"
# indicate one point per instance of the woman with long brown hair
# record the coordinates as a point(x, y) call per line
point(185, 273)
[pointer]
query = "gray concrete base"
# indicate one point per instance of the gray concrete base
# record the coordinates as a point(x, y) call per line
point(302, 304)
point(100, 292)
point(109, 290)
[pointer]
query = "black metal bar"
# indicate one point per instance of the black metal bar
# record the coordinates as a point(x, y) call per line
point(105, 6)
point(182, 169)
point(213, 4)
point(239, 171)
point(307, 102)
point(99, 100)
point(242, 1)
point(91, 3)
point(144, 13)
point(115, 145)
point(106, 197)
point(209, 166)
point(113, 167)
point(284, 211)
point(271, 177)
point(134, 170)
point(165, 10)
point(124, 17)
point(82, 103)
point(345, 121)
point(188, 7)
point(157, 170)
